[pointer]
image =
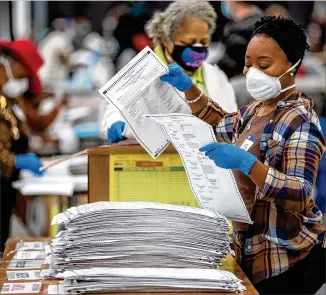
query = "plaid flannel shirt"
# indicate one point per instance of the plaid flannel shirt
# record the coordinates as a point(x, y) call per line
point(287, 223)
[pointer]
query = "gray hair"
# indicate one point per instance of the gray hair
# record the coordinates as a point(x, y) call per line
point(169, 20)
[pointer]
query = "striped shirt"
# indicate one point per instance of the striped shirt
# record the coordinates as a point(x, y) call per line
point(287, 223)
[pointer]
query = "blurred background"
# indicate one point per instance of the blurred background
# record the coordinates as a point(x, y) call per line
point(84, 43)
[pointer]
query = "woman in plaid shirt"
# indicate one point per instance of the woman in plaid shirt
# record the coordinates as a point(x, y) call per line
point(273, 146)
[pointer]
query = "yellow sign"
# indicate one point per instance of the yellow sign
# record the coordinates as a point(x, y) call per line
point(138, 177)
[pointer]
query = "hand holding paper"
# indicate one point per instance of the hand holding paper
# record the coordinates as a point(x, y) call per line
point(177, 78)
point(137, 90)
point(29, 162)
point(229, 156)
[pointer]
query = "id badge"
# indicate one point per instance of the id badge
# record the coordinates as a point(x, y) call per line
point(248, 143)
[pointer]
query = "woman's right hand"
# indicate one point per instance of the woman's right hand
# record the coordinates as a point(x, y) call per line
point(29, 162)
point(177, 78)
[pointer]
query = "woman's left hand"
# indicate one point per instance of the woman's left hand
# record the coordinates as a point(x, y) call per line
point(229, 156)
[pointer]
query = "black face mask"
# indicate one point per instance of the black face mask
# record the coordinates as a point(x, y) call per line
point(189, 57)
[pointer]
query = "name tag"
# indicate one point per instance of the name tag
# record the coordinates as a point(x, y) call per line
point(248, 143)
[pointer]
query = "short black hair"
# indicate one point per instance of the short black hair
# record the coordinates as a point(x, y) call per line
point(288, 34)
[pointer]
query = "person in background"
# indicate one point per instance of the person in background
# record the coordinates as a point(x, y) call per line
point(316, 31)
point(130, 32)
point(273, 146)
point(237, 33)
point(138, 42)
point(81, 26)
point(181, 34)
point(300, 11)
point(55, 49)
point(19, 64)
point(277, 10)
point(91, 67)
point(39, 123)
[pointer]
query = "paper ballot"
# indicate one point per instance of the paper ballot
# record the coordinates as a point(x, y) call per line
point(214, 188)
point(141, 247)
point(31, 246)
point(137, 90)
point(23, 275)
point(141, 234)
point(151, 280)
point(25, 264)
point(20, 288)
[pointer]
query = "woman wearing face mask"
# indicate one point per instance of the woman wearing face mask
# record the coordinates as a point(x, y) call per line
point(181, 34)
point(273, 146)
point(19, 63)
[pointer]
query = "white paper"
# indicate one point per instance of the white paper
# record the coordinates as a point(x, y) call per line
point(48, 249)
point(53, 289)
point(29, 255)
point(141, 246)
point(56, 289)
point(19, 288)
point(72, 212)
point(46, 186)
point(77, 113)
point(23, 275)
point(214, 188)
point(45, 273)
point(25, 264)
point(167, 273)
point(31, 245)
point(149, 279)
point(47, 260)
point(137, 90)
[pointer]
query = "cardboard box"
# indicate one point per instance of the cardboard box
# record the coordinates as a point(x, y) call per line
point(128, 173)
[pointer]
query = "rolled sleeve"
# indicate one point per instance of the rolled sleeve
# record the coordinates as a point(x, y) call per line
point(223, 123)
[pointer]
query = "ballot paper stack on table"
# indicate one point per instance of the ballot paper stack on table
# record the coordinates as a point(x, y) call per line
point(139, 246)
point(150, 280)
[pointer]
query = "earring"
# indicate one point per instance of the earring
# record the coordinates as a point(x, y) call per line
point(292, 74)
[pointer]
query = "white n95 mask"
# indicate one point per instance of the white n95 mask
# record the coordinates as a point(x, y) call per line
point(264, 87)
point(13, 87)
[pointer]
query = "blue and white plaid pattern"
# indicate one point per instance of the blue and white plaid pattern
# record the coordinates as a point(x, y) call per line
point(287, 222)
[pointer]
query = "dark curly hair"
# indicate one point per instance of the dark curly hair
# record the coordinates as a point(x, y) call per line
point(288, 34)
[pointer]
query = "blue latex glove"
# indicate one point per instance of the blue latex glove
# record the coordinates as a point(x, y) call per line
point(177, 78)
point(229, 156)
point(115, 132)
point(29, 162)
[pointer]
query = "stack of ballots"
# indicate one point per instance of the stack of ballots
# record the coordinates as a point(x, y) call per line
point(108, 246)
